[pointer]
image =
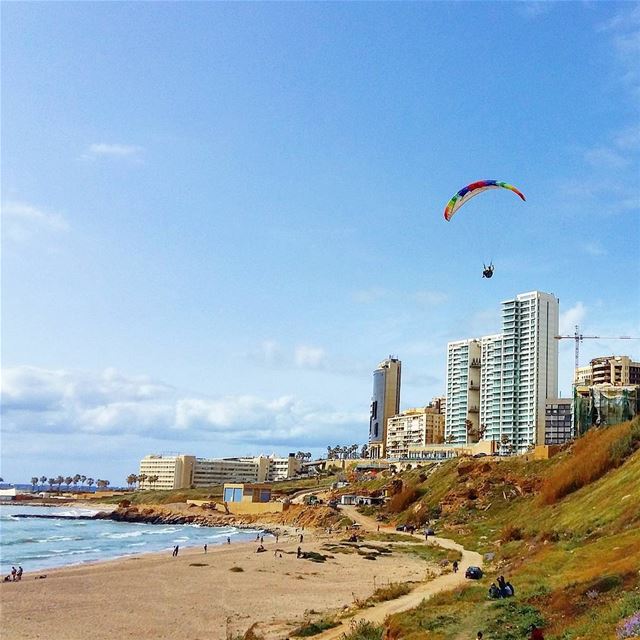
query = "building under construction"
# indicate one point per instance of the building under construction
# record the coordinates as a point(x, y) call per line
point(601, 405)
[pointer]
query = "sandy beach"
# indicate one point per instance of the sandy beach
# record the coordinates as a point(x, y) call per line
point(196, 596)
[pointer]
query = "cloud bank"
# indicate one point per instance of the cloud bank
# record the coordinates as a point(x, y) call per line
point(38, 401)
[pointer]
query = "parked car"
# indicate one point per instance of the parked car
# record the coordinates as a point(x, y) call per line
point(473, 573)
point(400, 527)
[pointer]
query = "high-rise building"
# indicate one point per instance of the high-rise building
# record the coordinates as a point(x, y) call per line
point(463, 391)
point(497, 385)
point(385, 403)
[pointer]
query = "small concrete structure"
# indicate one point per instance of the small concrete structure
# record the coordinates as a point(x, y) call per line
point(250, 498)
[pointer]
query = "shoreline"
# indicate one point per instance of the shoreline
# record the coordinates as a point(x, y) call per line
point(199, 596)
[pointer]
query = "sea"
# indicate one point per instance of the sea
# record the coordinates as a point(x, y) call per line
point(39, 544)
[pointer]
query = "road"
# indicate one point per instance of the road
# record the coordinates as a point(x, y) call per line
point(444, 582)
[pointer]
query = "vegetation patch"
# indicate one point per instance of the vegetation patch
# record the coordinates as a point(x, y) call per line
point(597, 452)
point(390, 592)
point(312, 628)
point(431, 552)
point(198, 564)
point(363, 630)
point(236, 569)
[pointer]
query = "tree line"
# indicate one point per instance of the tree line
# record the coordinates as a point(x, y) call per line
point(68, 480)
point(142, 478)
point(346, 452)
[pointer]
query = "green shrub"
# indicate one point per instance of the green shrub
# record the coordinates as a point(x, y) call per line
point(390, 592)
point(312, 628)
point(363, 630)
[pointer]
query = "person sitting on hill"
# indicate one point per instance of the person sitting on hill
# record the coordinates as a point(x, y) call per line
point(494, 592)
point(509, 590)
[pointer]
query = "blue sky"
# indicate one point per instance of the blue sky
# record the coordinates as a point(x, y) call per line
point(218, 218)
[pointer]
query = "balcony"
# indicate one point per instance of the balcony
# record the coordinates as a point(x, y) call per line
point(475, 362)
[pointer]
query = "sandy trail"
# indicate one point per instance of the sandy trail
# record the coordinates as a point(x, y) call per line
point(445, 582)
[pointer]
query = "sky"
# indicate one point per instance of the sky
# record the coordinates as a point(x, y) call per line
point(217, 218)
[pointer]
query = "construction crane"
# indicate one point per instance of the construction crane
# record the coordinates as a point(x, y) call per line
point(578, 337)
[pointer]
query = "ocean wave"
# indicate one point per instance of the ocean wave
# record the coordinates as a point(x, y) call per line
point(118, 536)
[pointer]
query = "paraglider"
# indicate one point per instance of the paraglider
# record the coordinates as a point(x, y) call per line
point(470, 191)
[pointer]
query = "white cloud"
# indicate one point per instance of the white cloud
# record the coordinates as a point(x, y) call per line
point(606, 157)
point(535, 8)
point(21, 221)
point(367, 296)
point(309, 357)
point(571, 317)
point(106, 150)
point(57, 403)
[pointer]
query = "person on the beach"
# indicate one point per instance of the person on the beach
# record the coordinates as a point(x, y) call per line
point(378, 529)
point(299, 552)
point(13, 574)
point(261, 540)
point(228, 540)
point(175, 551)
point(455, 566)
point(19, 573)
point(301, 537)
point(205, 548)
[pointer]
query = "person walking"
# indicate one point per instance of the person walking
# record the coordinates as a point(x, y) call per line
point(455, 566)
point(19, 573)
point(299, 552)
point(13, 574)
point(301, 538)
point(228, 540)
point(205, 548)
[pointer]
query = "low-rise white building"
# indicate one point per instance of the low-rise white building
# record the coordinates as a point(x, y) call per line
point(181, 472)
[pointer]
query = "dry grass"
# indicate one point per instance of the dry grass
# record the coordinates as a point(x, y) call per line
point(593, 455)
point(390, 592)
point(403, 499)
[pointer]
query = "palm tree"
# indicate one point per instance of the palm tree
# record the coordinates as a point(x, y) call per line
point(76, 479)
point(51, 482)
point(450, 439)
point(59, 482)
point(141, 480)
point(153, 480)
point(43, 479)
point(68, 480)
point(90, 481)
point(34, 482)
point(329, 452)
point(82, 479)
point(132, 478)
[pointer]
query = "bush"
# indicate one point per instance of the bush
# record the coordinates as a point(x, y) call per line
point(510, 532)
point(390, 592)
point(363, 630)
point(312, 628)
point(236, 569)
point(512, 620)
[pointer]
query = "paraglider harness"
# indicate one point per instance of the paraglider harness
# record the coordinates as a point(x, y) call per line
point(487, 272)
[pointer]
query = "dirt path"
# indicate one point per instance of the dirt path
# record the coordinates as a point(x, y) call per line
point(445, 582)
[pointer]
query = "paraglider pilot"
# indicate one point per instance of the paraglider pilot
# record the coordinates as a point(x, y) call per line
point(487, 271)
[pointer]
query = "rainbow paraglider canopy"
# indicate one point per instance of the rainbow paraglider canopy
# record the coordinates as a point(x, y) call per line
point(465, 194)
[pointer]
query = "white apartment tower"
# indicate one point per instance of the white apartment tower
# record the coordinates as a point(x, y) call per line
point(463, 391)
point(517, 371)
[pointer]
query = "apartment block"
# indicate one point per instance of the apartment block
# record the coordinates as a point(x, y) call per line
point(463, 391)
point(497, 385)
point(614, 370)
point(414, 427)
point(173, 471)
point(558, 427)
